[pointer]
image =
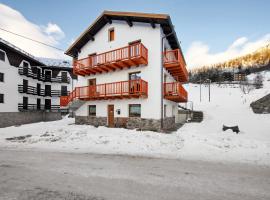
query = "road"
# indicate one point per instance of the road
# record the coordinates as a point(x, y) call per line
point(34, 175)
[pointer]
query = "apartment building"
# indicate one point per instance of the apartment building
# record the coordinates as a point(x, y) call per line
point(30, 90)
point(130, 69)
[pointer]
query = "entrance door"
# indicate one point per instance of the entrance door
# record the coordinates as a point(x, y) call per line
point(92, 87)
point(48, 104)
point(111, 115)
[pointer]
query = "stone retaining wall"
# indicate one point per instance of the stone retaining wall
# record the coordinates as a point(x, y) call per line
point(129, 123)
point(262, 105)
point(19, 118)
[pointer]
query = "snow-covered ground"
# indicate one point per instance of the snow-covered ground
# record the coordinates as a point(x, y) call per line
point(199, 141)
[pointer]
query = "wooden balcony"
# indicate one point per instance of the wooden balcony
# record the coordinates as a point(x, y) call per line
point(174, 63)
point(175, 92)
point(132, 55)
point(117, 90)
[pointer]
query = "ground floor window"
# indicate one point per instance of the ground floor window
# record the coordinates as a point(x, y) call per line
point(134, 110)
point(1, 98)
point(92, 110)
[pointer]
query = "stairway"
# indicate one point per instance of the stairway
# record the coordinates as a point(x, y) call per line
point(75, 104)
point(262, 105)
point(197, 116)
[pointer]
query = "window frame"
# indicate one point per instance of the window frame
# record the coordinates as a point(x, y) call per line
point(92, 114)
point(111, 30)
point(132, 114)
point(2, 100)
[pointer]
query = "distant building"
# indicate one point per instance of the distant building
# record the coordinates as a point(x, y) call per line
point(29, 88)
point(239, 76)
point(118, 60)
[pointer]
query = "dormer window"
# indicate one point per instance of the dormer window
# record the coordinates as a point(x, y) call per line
point(2, 55)
point(25, 64)
point(111, 34)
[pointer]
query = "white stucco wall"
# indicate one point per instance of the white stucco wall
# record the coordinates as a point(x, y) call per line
point(151, 39)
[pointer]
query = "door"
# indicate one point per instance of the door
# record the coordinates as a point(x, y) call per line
point(92, 87)
point(48, 104)
point(38, 104)
point(38, 73)
point(38, 89)
point(25, 85)
point(134, 82)
point(48, 76)
point(25, 68)
point(25, 103)
point(111, 115)
point(64, 90)
point(47, 90)
point(64, 77)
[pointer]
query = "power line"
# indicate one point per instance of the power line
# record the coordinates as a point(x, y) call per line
point(31, 39)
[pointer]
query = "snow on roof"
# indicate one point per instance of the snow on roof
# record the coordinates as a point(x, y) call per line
point(55, 62)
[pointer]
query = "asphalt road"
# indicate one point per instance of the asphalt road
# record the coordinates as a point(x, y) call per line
point(28, 175)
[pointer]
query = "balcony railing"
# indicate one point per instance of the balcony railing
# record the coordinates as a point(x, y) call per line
point(34, 91)
point(117, 90)
point(40, 107)
point(174, 63)
point(175, 92)
point(132, 55)
point(28, 72)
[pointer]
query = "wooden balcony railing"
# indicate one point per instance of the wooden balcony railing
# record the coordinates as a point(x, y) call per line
point(117, 90)
point(132, 55)
point(175, 92)
point(174, 63)
point(40, 108)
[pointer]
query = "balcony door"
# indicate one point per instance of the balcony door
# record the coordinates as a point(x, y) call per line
point(48, 76)
point(38, 89)
point(64, 77)
point(47, 90)
point(25, 103)
point(38, 104)
point(92, 87)
point(25, 85)
point(134, 82)
point(25, 68)
point(39, 73)
point(48, 104)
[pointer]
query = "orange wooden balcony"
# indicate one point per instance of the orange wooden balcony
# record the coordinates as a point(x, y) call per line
point(175, 92)
point(132, 55)
point(117, 90)
point(174, 63)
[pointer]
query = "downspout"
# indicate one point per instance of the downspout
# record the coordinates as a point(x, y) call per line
point(162, 87)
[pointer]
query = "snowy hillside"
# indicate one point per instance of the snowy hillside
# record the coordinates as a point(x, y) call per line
point(200, 141)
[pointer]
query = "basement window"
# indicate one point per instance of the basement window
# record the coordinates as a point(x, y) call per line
point(111, 34)
point(92, 110)
point(134, 110)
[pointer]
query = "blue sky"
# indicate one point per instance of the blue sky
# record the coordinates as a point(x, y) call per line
point(215, 24)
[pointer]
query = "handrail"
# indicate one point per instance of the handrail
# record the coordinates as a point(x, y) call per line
point(123, 53)
point(128, 88)
point(175, 89)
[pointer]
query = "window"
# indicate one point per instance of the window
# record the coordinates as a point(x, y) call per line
point(134, 110)
point(1, 98)
point(111, 35)
point(92, 110)
point(25, 64)
point(1, 77)
point(2, 55)
point(135, 75)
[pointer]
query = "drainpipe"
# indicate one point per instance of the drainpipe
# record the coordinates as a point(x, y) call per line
point(162, 89)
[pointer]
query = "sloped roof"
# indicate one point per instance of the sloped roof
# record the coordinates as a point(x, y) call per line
point(107, 16)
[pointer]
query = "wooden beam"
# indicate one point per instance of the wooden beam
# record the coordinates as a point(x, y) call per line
point(129, 22)
point(108, 19)
point(91, 37)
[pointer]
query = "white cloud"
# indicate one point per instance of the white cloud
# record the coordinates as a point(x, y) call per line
point(50, 34)
point(198, 53)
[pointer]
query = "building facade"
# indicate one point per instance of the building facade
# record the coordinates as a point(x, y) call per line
point(30, 90)
point(126, 71)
